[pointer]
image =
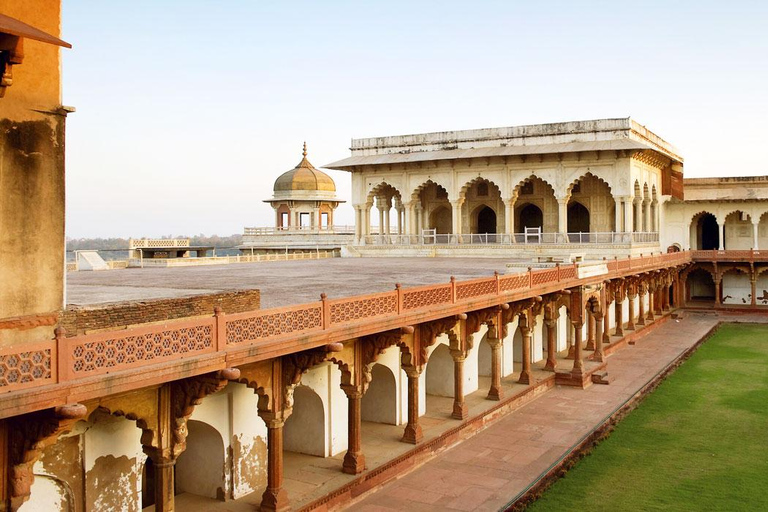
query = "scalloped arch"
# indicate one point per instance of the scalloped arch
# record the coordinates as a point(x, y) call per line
point(569, 189)
point(471, 183)
point(531, 178)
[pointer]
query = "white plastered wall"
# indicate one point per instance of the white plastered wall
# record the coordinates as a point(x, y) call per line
point(737, 289)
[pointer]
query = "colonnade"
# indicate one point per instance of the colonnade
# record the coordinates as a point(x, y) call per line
point(590, 332)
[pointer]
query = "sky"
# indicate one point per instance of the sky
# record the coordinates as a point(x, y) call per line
point(187, 111)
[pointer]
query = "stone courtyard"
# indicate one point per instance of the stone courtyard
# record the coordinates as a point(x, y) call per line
point(338, 277)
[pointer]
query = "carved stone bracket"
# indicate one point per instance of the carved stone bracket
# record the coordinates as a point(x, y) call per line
point(29, 435)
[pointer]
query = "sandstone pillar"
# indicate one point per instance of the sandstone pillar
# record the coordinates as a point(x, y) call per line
point(651, 304)
point(551, 364)
point(631, 312)
point(161, 452)
point(358, 223)
point(658, 300)
point(606, 327)
point(590, 332)
point(598, 355)
point(495, 392)
point(354, 459)
point(619, 318)
point(753, 285)
point(718, 296)
point(275, 498)
point(367, 220)
point(578, 363)
point(641, 305)
point(525, 329)
point(665, 297)
point(412, 433)
point(459, 405)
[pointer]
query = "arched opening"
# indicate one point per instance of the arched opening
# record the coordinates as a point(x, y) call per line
point(485, 220)
point(578, 218)
point(200, 468)
point(517, 346)
point(701, 286)
point(484, 363)
point(706, 232)
point(440, 372)
point(384, 213)
point(441, 220)
point(481, 199)
point(433, 210)
point(530, 216)
point(534, 194)
point(594, 195)
point(379, 403)
point(304, 429)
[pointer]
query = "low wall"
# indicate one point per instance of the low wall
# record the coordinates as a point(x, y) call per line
point(83, 319)
point(224, 260)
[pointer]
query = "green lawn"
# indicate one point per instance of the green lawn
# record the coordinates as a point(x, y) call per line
point(699, 442)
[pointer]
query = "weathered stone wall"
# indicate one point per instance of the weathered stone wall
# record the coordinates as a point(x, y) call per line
point(32, 183)
point(82, 319)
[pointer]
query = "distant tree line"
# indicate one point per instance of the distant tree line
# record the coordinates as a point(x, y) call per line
point(106, 244)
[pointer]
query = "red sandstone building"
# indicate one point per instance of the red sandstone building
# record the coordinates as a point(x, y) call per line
point(214, 399)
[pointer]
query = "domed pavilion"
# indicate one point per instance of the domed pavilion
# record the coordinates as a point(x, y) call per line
point(304, 198)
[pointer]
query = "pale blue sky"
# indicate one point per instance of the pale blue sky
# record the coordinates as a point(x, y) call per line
point(188, 110)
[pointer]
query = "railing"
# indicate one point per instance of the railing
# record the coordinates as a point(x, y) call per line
point(69, 359)
point(335, 229)
point(512, 239)
point(730, 255)
point(154, 243)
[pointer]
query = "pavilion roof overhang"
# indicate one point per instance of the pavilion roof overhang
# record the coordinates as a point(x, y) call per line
point(17, 28)
point(348, 164)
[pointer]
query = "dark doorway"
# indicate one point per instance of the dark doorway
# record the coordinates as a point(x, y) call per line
point(707, 233)
point(578, 218)
point(486, 220)
point(531, 216)
point(701, 286)
point(148, 484)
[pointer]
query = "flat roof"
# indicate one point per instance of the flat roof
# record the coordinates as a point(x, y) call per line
point(282, 283)
point(573, 136)
point(726, 188)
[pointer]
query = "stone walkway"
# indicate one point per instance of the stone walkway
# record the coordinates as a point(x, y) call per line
point(490, 469)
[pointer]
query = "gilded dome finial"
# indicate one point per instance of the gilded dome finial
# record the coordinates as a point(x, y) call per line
point(305, 149)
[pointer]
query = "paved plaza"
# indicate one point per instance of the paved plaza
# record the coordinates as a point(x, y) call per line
point(281, 283)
